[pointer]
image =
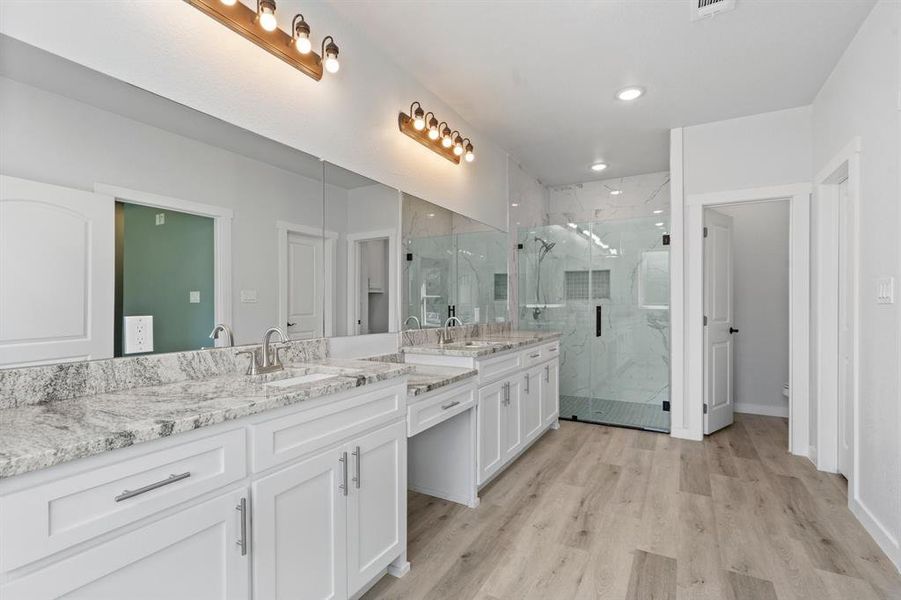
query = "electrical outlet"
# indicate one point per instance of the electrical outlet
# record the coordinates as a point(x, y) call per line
point(194, 297)
point(160, 218)
point(138, 333)
point(885, 290)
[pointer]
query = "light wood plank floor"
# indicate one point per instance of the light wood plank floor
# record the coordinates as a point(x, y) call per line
point(600, 512)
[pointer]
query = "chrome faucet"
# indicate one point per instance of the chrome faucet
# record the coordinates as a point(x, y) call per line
point(444, 334)
point(222, 327)
point(407, 336)
point(268, 362)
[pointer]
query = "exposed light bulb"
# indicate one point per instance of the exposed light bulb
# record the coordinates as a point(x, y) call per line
point(433, 129)
point(418, 118)
point(267, 15)
point(330, 52)
point(658, 211)
point(303, 44)
point(229, 2)
point(433, 134)
point(446, 139)
point(470, 155)
point(658, 224)
point(615, 192)
point(458, 146)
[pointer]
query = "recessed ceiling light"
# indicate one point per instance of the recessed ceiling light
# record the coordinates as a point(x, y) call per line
point(514, 204)
point(658, 224)
point(630, 93)
point(430, 215)
point(658, 211)
point(598, 166)
point(615, 192)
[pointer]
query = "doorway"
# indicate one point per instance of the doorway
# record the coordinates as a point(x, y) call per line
point(371, 282)
point(306, 264)
point(747, 309)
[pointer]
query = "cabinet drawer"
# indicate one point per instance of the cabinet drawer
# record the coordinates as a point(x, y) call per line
point(291, 436)
point(492, 369)
point(550, 351)
point(532, 356)
point(443, 406)
point(42, 520)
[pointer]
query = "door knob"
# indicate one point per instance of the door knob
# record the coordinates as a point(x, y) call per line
point(291, 324)
point(733, 330)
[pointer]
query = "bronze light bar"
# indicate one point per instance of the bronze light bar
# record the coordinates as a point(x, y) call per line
point(407, 123)
point(243, 20)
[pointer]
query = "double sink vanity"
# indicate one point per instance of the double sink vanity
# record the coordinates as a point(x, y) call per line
point(179, 476)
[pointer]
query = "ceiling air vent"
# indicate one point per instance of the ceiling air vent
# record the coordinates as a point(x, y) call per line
point(701, 9)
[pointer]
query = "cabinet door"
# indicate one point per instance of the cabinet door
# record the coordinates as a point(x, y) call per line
point(512, 419)
point(531, 416)
point(550, 391)
point(490, 423)
point(377, 503)
point(299, 530)
point(191, 555)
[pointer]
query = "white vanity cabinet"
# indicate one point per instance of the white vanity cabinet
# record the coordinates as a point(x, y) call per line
point(313, 495)
point(517, 400)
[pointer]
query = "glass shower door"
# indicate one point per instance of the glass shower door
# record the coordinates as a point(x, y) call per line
point(629, 345)
point(432, 278)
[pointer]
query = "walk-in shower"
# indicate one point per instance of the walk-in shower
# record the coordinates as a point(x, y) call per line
point(605, 285)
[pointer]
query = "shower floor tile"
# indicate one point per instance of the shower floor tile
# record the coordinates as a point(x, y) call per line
point(614, 412)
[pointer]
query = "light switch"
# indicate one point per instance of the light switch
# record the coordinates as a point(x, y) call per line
point(248, 296)
point(160, 218)
point(885, 290)
point(194, 297)
point(138, 333)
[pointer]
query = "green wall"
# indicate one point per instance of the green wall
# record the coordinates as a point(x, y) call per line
point(160, 266)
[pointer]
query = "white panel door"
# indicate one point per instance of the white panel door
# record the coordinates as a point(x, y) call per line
point(57, 261)
point(305, 286)
point(299, 531)
point(846, 310)
point(191, 555)
point(377, 503)
point(550, 392)
point(718, 308)
point(490, 422)
point(530, 403)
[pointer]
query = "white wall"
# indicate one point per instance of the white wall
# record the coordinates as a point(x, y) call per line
point(350, 118)
point(860, 98)
point(760, 270)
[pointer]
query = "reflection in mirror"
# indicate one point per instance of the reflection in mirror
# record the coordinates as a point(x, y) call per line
point(362, 224)
point(131, 224)
point(452, 266)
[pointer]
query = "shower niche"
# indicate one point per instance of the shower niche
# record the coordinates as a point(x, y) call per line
point(605, 286)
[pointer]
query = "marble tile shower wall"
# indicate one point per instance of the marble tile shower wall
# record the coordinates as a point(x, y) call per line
point(631, 359)
point(46, 383)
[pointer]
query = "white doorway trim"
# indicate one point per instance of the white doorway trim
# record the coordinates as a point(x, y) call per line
point(799, 301)
point(222, 240)
point(353, 279)
point(846, 163)
point(283, 228)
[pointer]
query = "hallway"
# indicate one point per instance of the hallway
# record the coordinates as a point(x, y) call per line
point(601, 512)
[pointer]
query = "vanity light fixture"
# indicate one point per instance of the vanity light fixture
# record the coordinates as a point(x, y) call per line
point(435, 135)
point(261, 28)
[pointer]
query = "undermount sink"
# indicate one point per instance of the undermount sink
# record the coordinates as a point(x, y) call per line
point(299, 380)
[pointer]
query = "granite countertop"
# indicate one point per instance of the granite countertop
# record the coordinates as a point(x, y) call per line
point(37, 436)
point(428, 378)
point(485, 345)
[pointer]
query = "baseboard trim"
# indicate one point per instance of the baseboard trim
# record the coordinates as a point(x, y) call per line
point(883, 538)
point(766, 410)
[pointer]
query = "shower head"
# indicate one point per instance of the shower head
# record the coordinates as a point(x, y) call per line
point(546, 246)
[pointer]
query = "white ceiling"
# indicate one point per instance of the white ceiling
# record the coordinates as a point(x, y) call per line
point(540, 77)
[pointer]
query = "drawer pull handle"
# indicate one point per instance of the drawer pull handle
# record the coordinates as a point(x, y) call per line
point(357, 455)
point(536, 355)
point(242, 542)
point(554, 349)
point(450, 405)
point(126, 494)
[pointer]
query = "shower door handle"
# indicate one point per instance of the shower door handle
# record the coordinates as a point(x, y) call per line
point(598, 318)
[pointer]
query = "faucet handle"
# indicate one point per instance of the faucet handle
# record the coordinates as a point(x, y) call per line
point(277, 359)
point(252, 368)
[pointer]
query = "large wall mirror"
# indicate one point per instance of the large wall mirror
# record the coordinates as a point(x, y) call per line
point(131, 224)
point(453, 266)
